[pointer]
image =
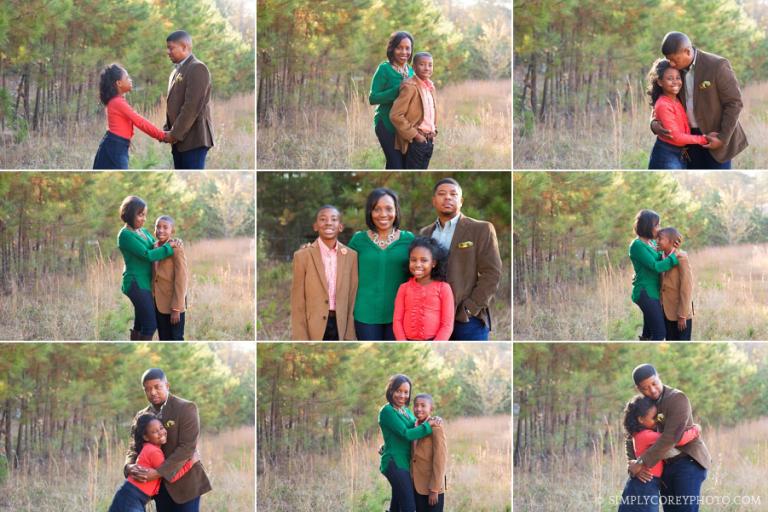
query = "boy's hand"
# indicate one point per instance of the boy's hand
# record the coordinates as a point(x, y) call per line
point(432, 499)
point(682, 323)
point(420, 138)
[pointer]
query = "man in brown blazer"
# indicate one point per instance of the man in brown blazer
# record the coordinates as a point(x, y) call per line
point(712, 99)
point(188, 110)
point(474, 261)
point(429, 459)
point(324, 283)
point(182, 422)
point(685, 472)
point(169, 285)
point(676, 289)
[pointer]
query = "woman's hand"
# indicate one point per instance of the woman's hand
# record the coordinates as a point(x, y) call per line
point(435, 420)
point(420, 138)
point(432, 499)
point(176, 243)
point(681, 254)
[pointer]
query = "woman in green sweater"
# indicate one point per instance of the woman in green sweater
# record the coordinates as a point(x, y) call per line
point(382, 266)
point(385, 88)
point(649, 263)
point(137, 246)
point(398, 428)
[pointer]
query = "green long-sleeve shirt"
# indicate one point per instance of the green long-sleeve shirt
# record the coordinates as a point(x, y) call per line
point(648, 264)
point(139, 254)
point(385, 87)
point(380, 274)
point(398, 431)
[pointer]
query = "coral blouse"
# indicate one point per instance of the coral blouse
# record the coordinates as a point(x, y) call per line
point(646, 438)
point(671, 114)
point(151, 456)
point(121, 118)
point(423, 312)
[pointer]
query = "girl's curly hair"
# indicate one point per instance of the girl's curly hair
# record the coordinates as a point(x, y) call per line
point(141, 428)
point(107, 86)
point(654, 90)
point(638, 406)
point(439, 254)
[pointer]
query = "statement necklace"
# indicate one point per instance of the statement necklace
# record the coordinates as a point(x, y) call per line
point(402, 70)
point(383, 243)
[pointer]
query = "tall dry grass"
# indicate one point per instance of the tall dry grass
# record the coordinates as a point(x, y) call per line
point(618, 138)
point(90, 306)
point(593, 481)
point(75, 147)
point(87, 482)
point(478, 474)
point(730, 295)
point(474, 124)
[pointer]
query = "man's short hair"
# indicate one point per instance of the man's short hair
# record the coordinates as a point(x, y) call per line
point(153, 374)
point(179, 35)
point(420, 55)
point(166, 218)
point(424, 396)
point(444, 181)
point(327, 207)
point(673, 42)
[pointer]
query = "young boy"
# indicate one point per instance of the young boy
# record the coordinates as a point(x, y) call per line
point(428, 460)
point(324, 283)
point(414, 115)
point(169, 285)
point(676, 289)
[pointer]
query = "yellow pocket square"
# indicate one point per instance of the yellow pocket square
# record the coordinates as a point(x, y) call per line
point(465, 245)
point(706, 84)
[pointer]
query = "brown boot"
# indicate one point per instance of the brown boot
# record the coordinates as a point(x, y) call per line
point(135, 335)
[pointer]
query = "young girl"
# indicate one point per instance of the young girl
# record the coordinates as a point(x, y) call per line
point(676, 289)
point(670, 151)
point(428, 462)
point(169, 285)
point(640, 425)
point(149, 436)
point(114, 83)
point(424, 308)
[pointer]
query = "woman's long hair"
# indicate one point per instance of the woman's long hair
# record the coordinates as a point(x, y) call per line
point(141, 428)
point(654, 90)
point(638, 406)
point(107, 85)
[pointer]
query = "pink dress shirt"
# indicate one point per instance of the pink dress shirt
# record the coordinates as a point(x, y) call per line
point(423, 312)
point(330, 262)
point(428, 105)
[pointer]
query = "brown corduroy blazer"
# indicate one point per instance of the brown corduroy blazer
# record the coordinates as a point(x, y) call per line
point(474, 267)
point(677, 291)
point(169, 282)
point(429, 461)
point(182, 422)
point(407, 113)
point(309, 293)
point(188, 110)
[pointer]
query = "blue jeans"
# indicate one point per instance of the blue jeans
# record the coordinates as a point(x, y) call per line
point(419, 154)
point(475, 329)
point(682, 485)
point(674, 333)
point(654, 322)
point(374, 332)
point(192, 159)
point(640, 497)
point(667, 156)
point(112, 152)
point(144, 319)
point(422, 503)
point(403, 499)
point(166, 331)
point(164, 503)
point(701, 158)
point(128, 498)
point(395, 159)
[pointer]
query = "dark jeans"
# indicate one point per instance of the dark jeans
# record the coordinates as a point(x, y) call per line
point(144, 319)
point(701, 158)
point(395, 159)
point(419, 154)
point(331, 328)
point(422, 503)
point(475, 329)
point(128, 498)
point(654, 323)
point(667, 156)
point(682, 481)
point(112, 152)
point(402, 489)
point(192, 159)
point(374, 332)
point(166, 331)
point(164, 503)
point(673, 333)
point(640, 497)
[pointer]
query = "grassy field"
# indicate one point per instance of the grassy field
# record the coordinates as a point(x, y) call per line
point(233, 132)
point(729, 297)
point(616, 139)
point(478, 474)
point(273, 299)
point(91, 306)
point(474, 124)
point(595, 480)
point(87, 483)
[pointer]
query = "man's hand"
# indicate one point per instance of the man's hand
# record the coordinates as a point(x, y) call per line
point(175, 317)
point(637, 470)
point(138, 472)
point(152, 475)
point(682, 323)
point(658, 129)
point(432, 499)
point(170, 139)
point(714, 142)
point(195, 457)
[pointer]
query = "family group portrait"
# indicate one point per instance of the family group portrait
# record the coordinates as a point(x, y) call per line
point(634, 427)
point(173, 430)
point(407, 256)
point(173, 90)
point(127, 256)
point(668, 87)
point(640, 255)
point(406, 427)
point(384, 86)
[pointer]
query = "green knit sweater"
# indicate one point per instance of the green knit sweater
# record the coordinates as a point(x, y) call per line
point(398, 431)
point(139, 254)
point(385, 87)
point(648, 265)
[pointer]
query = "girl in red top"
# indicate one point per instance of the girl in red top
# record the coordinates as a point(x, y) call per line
point(670, 151)
point(424, 307)
point(640, 422)
point(149, 436)
point(114, 83)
